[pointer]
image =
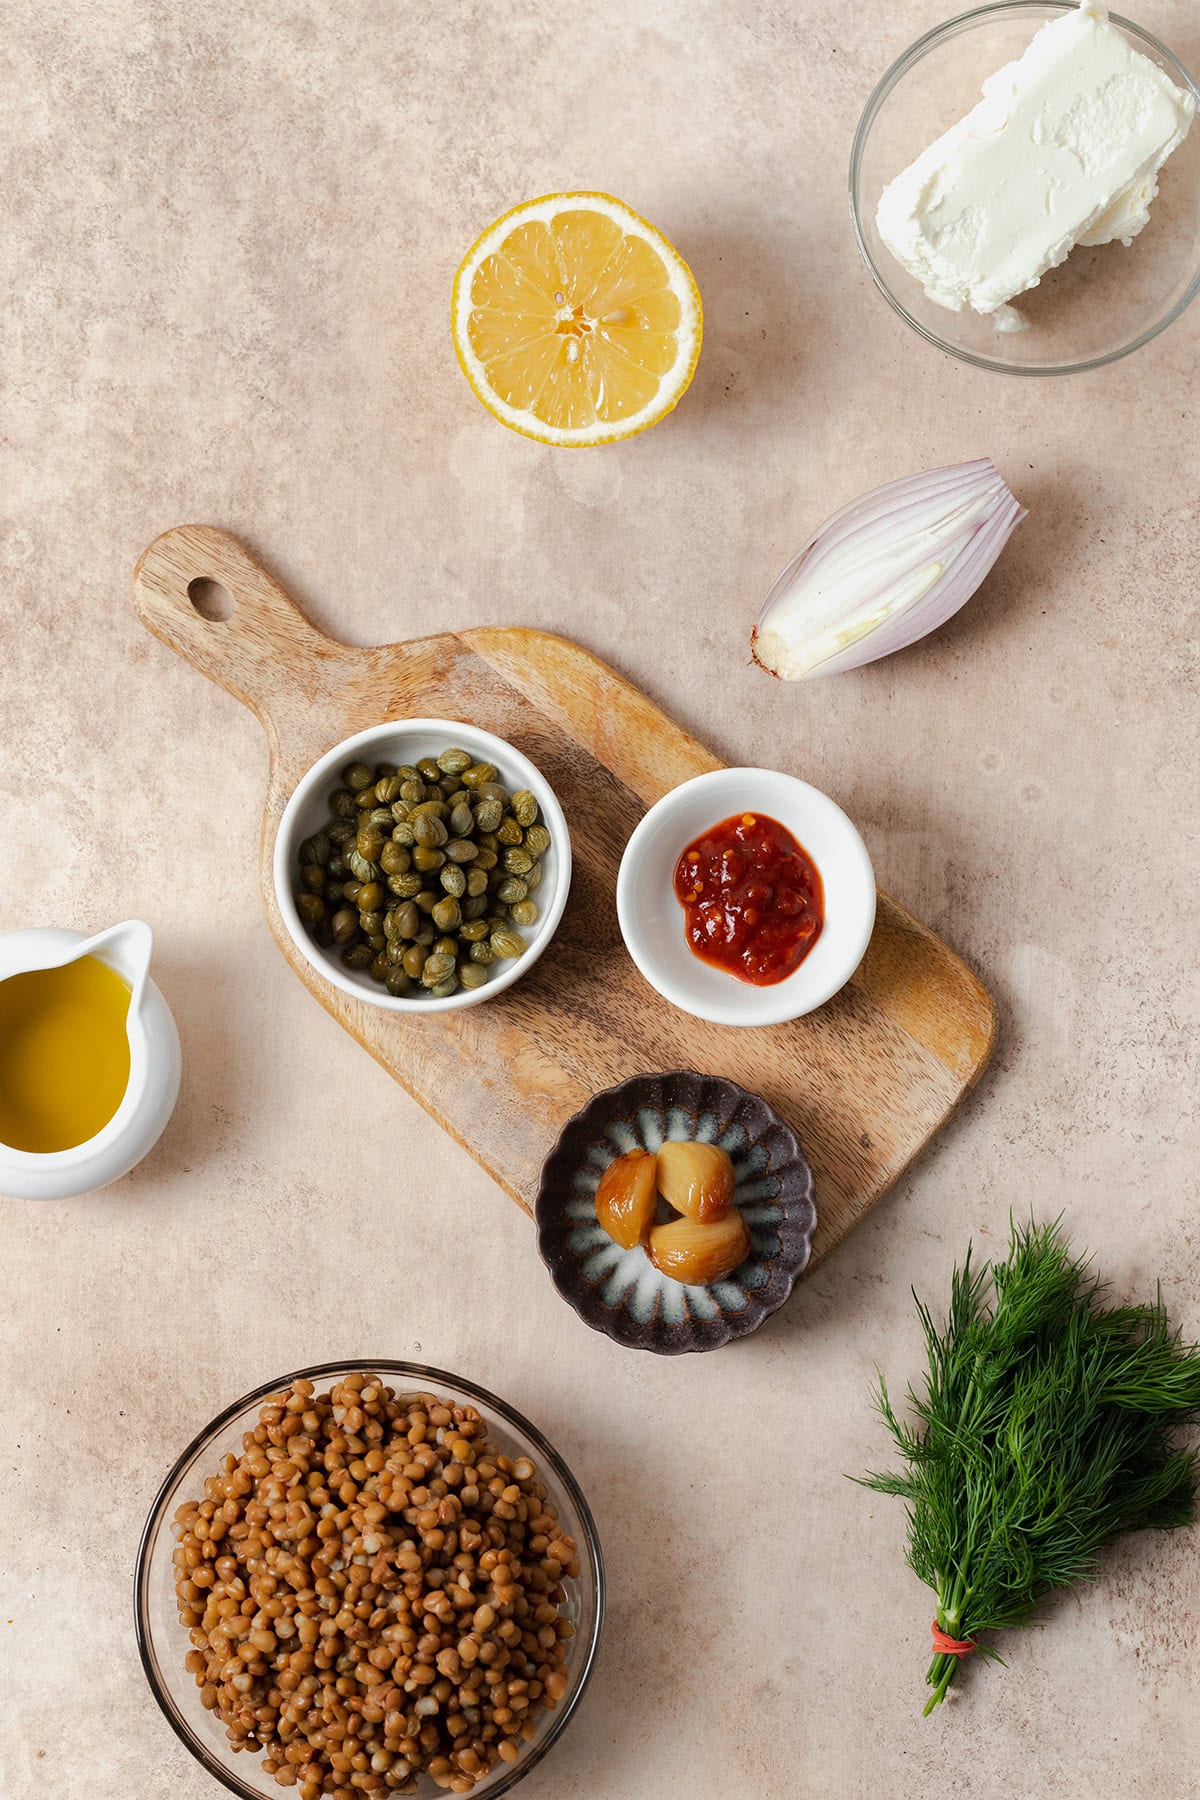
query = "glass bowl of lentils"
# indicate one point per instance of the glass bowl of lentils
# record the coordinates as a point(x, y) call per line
point(422, 865)
point(367, 1580)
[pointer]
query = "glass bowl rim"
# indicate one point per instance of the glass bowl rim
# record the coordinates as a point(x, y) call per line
point(907, 60)
point(426, 1376)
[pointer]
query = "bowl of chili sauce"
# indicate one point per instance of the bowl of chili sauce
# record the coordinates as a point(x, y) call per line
point(746, 897)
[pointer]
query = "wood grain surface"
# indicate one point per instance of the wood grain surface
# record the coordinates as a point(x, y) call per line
point(865, 1081)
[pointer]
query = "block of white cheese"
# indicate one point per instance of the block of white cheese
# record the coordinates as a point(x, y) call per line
point(1063, 149)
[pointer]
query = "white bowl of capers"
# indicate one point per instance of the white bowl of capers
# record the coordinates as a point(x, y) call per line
point(422, 865)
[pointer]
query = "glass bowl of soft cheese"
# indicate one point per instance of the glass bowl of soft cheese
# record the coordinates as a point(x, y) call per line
point(1025, 186)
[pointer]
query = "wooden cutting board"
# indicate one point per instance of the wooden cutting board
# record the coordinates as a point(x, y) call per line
point(865, 1081)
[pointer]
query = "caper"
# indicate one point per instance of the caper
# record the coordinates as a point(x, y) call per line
point(430, 867)
point(506, 942)
point(362, 866)
point(437, 967)
point(405, 886)
point(524, 807)
point(447, 915)
point(453, 762)
point(406, 920)
point(428, 829)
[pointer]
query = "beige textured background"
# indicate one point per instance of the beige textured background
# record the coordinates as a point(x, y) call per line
point(229, 237)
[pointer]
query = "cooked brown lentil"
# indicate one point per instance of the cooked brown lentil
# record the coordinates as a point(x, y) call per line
point(374, 1591)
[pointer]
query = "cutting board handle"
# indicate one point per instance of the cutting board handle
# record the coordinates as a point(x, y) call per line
point(263, 646)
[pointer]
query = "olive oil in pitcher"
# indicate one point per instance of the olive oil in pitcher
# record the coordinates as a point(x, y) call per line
point(64, 1054)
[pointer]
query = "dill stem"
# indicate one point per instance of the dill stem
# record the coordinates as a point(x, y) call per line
point(939, 1679)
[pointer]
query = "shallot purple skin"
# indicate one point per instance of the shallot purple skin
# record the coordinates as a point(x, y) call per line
point(914, 551)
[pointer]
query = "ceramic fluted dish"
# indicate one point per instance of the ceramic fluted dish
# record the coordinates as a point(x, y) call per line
point(620, 1292)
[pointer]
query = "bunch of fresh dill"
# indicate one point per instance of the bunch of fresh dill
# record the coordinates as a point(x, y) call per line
point(1045, 1430)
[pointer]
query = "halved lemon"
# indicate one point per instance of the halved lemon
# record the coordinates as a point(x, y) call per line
point(575, 321)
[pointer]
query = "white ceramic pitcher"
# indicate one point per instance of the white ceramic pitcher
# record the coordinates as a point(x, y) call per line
point(154, 1064)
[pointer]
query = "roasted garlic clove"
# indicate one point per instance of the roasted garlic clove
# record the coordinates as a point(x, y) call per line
point(627, 1196)
point(695, 1252)
point(696, 1179)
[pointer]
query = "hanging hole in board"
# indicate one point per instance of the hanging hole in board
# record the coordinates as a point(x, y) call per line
point(212, 601)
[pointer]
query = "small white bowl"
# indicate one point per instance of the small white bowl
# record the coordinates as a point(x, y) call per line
point(406, 741)
point(652, 920)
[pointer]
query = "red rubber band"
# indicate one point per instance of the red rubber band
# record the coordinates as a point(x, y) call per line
point(945, 1645)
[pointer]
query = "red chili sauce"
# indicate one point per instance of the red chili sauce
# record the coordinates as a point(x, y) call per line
point(752, 898)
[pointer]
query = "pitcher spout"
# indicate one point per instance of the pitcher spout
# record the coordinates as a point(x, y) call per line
point(126, 948)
